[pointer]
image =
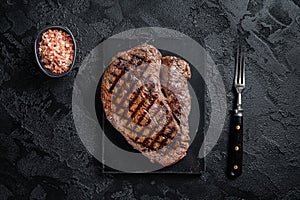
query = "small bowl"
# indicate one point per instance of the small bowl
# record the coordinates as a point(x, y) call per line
point(38, 56)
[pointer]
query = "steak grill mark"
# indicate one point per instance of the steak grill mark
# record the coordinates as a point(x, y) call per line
point(149, 142)
point(141, 110)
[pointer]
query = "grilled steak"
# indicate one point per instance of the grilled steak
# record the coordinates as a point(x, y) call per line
point(152, 118)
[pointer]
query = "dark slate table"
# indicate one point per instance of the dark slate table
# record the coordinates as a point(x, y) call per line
point(41, 155)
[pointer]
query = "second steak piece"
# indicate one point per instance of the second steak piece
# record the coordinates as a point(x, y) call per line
point(173, 77)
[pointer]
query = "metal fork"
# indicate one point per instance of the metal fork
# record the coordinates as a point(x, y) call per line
point(236, 137)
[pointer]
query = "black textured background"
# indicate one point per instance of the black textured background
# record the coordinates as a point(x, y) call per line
point(41, 155)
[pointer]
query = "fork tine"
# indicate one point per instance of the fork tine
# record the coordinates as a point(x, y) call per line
point(243, 69)
point(241, 56)
point(237, 55)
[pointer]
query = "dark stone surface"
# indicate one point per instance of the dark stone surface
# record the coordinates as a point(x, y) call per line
point(41, 155)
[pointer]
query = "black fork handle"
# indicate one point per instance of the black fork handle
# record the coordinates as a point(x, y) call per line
point(236, 145)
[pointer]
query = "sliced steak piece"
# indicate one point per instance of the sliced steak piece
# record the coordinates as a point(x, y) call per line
point(135, 105)
point(174, 75)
